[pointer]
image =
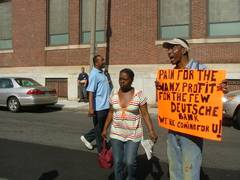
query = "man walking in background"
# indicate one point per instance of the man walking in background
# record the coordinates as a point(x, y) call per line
point(99, 92)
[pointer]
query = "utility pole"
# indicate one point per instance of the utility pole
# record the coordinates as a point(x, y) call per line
point(93, 32)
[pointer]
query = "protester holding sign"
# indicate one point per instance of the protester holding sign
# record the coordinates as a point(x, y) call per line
point(186, 99)
point(184, 151)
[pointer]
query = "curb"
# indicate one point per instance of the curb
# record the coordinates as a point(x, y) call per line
point(66, 104)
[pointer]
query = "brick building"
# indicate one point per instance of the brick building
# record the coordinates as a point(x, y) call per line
point(48, 40)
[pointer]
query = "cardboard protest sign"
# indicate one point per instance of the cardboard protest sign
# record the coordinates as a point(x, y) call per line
point(189, 101)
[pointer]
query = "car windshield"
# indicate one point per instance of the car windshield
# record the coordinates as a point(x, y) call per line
point(26, 82)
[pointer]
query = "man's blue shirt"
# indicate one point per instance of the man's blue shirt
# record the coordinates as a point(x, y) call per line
point(98, 84)
point(192, 64)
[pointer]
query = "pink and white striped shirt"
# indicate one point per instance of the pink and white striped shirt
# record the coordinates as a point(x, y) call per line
point(126, 124)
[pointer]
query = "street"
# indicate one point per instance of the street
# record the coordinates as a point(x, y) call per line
point(44, 144)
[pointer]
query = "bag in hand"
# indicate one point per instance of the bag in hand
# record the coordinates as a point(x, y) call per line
point(105, 157)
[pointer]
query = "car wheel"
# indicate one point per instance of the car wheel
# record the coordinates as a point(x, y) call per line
point(13, 104)
point(236, 118)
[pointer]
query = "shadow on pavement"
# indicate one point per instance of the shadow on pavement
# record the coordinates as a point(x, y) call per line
point(26, 161)
point(228, 122)
point(36, 109)
point(41, 109)
point(2, 108)
point(150, 168)
point(50, 175)
point(203, 175)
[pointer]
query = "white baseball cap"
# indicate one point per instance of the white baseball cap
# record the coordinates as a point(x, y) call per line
point(176, 41)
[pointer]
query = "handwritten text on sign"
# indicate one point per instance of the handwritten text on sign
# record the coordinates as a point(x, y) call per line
point(189, 101)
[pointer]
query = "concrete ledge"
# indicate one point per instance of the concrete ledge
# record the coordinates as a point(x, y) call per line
point(206, 41)
point(77, 46)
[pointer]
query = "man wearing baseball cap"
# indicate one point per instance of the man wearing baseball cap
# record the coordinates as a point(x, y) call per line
point(177, 50)
point(184, 151)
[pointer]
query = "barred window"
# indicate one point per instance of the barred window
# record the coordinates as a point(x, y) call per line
point(5, 24)
point(86, 21)
point(233, 84)
point(173, 18)
point(58, 22)
point(224, 18)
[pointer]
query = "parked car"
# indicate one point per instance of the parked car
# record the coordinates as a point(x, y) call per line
point(231, 106)
point(16, 92)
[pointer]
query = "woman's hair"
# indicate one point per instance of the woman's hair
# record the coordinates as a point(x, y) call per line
point(129, 72)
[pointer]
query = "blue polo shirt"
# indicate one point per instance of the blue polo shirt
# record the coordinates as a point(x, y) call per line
point(192, 64)
point(98, 84)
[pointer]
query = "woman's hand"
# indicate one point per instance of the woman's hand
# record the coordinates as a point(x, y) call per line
point(107, 123)
point(153, 136)
point(104, 133)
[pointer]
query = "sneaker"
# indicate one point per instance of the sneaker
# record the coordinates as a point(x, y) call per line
point(86, 143)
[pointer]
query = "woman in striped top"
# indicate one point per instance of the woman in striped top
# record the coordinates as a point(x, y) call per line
point(128, 105)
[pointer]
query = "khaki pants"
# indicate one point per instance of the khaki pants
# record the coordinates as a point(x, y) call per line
point(82, 93)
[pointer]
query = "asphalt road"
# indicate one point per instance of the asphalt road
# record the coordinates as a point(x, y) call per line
point(44, 143)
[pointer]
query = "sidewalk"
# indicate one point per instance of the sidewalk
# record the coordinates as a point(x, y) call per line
point(74, 104)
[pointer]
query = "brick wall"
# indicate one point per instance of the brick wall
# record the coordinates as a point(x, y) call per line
point(199, 19)
point(133, 35)
point(29, 33)
point(134, 32)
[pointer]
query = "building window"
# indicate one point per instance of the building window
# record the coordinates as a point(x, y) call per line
point(173, 18)
point(224, 17)
point(86, 21)
point(58, 22)
point(5, 24)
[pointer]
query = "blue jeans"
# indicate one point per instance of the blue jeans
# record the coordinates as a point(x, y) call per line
point(98, 123)
point(124, 153)
point(185, 158)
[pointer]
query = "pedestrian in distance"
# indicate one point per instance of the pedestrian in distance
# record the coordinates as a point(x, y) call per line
point(82, 85)
point(99, 91)
point(128, 106)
